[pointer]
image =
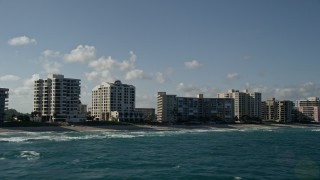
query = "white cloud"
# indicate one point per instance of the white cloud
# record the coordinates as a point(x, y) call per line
point(294, 92)
point(82, 53)
point(21, 40)
point(9, 77)
point(146, 100)
point(232, 76)
point(128, 65)
point(52, 67)
point(104, 69)
point(50, 61)
point(192, 64)
point(103, 64)
point(134, 74)
point(160, 78)
point(163, 77)
point(50, 54)
point(191, 90)
point(98, 77)
point(27, 88)
point(92, 76)
point(107, 76)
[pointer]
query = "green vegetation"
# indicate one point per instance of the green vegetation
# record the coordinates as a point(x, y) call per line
point(14, 115)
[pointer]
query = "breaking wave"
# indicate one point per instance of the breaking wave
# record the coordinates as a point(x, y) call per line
point(29, 137)
point(30, 155)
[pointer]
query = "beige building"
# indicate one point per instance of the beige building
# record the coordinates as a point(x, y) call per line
point(58, 99)
point(278, 111)
point(245, 103)
point(4, 95)
point(172, 109)
point(166, 107)
point(309, 109)
point(114, 102)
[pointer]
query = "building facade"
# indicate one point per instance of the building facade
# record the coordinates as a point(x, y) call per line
point(114, 102)
point(166, 107)
point(4, 95)
point(173, 109)
point(245, 103)
point(58, 99)
point(148, 113)
point(277, 111)
point(83, 109)
point(309, 109)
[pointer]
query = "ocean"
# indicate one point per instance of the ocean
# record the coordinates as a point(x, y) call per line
point(260, 153)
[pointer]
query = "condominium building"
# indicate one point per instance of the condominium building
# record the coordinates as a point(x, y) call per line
point(148, 113)
point(83, 109)
point(285, 108)
point(309, 109)
point(114, 102)
point(166, 107)
point(278, 111)
point(245, 103)
point(172, 109)
point(4, 95)
point(58, 99)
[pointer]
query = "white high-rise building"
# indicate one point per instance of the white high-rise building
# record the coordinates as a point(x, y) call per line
point(4, 95)
point(114, 101)
point(245, 103)
point(58, 99)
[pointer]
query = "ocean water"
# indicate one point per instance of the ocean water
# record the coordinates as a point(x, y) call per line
point(273, 153)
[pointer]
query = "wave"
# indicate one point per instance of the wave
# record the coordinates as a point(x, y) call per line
point(29, 137)
point(30, 155)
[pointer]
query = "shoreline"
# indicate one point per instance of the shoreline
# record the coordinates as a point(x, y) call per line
point(84, 128)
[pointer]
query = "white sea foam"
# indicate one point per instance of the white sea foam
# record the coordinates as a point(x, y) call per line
point(316, 130)
point(30, 155)
point(29, 137)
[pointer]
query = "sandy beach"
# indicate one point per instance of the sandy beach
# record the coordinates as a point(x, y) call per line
point(81, 128)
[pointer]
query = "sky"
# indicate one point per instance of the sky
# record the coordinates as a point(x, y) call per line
point(182, 47)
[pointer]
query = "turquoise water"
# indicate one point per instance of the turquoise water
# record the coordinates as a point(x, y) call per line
point(275, 153)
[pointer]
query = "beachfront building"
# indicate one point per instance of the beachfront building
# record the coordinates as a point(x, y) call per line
point(245, 103)
point(309, 109)
point(148, 113)
point(166, 107)
point(83, 109)
point(4, 95)
point(58, 99)
point(114, 102)
point(174, 109)
point(277, 111)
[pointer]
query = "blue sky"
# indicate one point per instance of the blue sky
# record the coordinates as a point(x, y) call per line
point(182, 47)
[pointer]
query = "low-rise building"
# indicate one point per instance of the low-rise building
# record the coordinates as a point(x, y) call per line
point(148, 113)
point(174, 109)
